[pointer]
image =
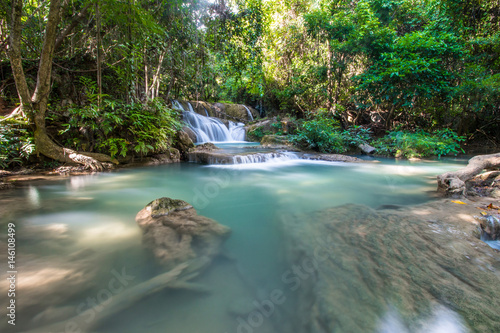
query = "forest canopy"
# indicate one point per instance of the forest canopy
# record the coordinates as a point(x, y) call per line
point(391, 64)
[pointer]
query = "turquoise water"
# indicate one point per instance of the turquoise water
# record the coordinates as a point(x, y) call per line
point(74, 235)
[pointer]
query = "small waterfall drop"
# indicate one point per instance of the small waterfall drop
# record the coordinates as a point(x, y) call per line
point(209, 129)
point(250, 116)
point(237, 131)
point(264, 158)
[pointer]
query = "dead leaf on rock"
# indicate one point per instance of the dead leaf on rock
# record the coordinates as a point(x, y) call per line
point(458, 202)
point(491, 206)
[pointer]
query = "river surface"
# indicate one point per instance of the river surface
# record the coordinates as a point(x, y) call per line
point(75, 236)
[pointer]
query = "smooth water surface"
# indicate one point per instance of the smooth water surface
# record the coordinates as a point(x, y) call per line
point(74, 235)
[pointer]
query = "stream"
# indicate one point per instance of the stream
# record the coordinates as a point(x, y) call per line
point(78, 243)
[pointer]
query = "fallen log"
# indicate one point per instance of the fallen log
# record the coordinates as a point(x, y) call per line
point(454, 183)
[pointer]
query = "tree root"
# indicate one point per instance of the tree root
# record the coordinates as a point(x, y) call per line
point(454, 183)
point(16, 112)
point(92, 161)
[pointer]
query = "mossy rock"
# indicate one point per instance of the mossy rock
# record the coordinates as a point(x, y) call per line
point(163, 206)
point(275, 140)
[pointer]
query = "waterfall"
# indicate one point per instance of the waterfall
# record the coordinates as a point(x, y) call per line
point(210, 129)
point(237, 131)
point(264, 157)
point(225, 159)
point(250, 116)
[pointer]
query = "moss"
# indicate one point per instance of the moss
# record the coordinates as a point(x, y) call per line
point(163, 206)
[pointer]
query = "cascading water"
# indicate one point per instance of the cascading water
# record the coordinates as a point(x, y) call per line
point(209, 129)
point(237, 131)
point(264, 157)
point(250, 116)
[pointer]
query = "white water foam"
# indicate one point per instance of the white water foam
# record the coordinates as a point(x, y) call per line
point(210, 129)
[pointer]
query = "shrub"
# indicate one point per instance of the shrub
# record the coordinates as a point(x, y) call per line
point(117, 128)
point(420, 143)
point(257, 134)
point(16, 144)
point(321, 133)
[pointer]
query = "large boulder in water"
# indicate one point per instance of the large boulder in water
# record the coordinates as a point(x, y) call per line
point(175, 233)
point(354, 269)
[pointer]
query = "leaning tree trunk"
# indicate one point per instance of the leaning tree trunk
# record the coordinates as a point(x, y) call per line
point(453, 183)
point(36, 106)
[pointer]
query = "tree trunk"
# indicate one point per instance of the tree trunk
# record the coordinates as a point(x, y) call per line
point(453, 183)
point(329, 77)
point(99, 54)
point(36, 106)
point(15, 56)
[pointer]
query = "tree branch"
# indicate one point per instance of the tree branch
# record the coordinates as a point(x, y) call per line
point(74, 22)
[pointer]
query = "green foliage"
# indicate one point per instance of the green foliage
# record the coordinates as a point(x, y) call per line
point(420, 143)
point(356, 135)
point(321, 133)
point(16, 144)
point(324, 133)
point(118, 128)
point(257, 134)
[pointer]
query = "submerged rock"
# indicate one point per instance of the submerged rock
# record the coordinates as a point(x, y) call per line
point(351, 265)
point(175, 233)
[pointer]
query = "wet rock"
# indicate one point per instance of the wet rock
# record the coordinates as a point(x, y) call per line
point(184, 142)
point(207, 146)
point(175, 233)
point(275, 141)
point(172, 156)
point(207, 153)
point(209, 157)
point(490, 225)
point(351, 265)
point(333, 158)
point(367, 149)
point(235, 112)
point(190, 133)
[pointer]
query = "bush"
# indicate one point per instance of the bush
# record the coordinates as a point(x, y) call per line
point(321, 133)
point(420, 143)
point(257, 134)
point(16, 144)
point(118, 129)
